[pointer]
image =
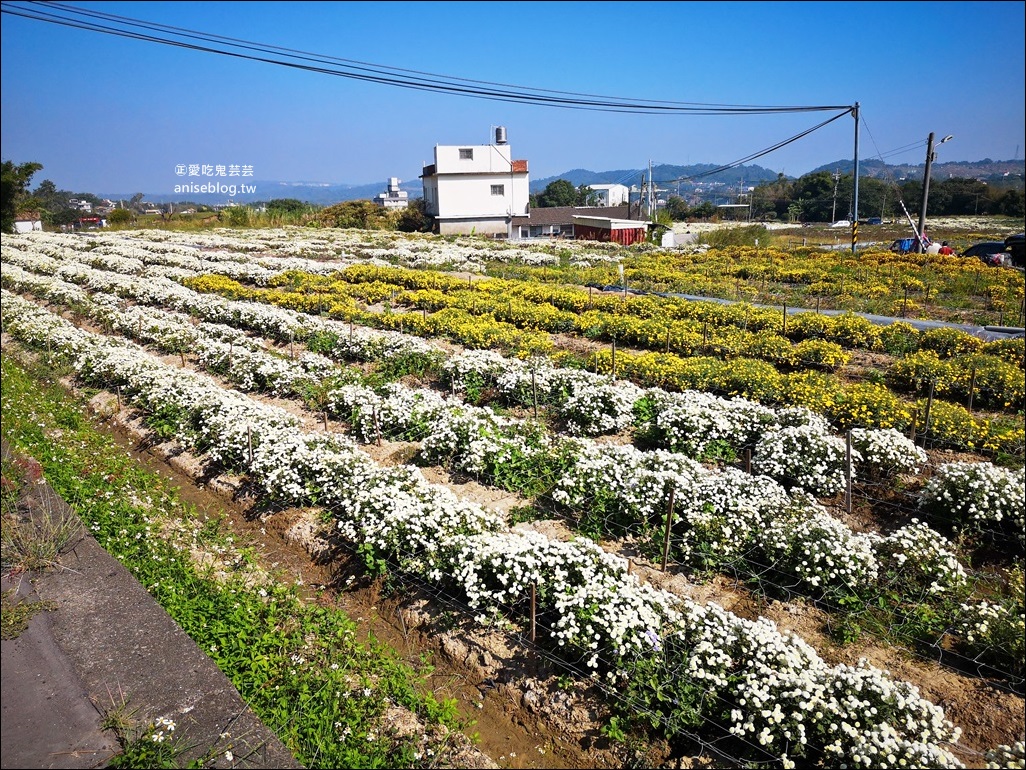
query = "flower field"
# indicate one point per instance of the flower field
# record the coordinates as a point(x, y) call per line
point(723, 440)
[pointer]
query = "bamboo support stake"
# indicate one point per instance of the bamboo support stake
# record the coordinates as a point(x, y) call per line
point(669, 524)
point(972, 389)
point(534, 392)
point(784, 328)
point(929, 406)
point(847, 471)
point(249, 442)
point(117, 391)
point(748, 461)
point(377, 425)
point(614, 359)
point(534, 610)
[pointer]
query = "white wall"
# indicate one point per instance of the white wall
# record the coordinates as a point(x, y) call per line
point(610, 194)
point(471, 196)
point(487, 158)
point(476, 226)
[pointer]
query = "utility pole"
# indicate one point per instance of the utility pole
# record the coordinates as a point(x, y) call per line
point(931, 156)
point(855, 185)
point(926, 194)
point(651, 194)
point(833, 209)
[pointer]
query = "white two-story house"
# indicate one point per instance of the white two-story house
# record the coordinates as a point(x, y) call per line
point(610, 194)
point(476, 189)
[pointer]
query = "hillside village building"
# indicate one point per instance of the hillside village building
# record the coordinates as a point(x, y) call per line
point(610, 194)
point(393, 197)
point(476, 189)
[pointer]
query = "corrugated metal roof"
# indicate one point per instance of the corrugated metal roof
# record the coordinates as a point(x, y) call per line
point(564, 215)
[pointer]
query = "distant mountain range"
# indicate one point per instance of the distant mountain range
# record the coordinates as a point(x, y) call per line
point(665, 175)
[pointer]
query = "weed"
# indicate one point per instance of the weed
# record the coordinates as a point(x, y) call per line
point(15, 616)
point(36, 541)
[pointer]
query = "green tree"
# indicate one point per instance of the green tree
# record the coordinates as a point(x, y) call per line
point(677, 208)
point(561, 192)
point(364, 215)
point(120, 217)
point(586, 196)
point(773, 198)
point(287, 207)
point(14, 182)
point(234, 216)
point(414, 218)
point(817, 192)
point(704, 210)
point(1012, 204)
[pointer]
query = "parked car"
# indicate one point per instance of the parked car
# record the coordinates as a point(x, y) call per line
point(990, 252)
point(841, 223)
point(874, 221)
point(1015, 245)
point(903, 246)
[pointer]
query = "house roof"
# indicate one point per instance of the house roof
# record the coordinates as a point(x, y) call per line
point(27, 216)
point(564, 215)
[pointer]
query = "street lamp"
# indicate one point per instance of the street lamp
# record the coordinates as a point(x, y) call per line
point(931, 156)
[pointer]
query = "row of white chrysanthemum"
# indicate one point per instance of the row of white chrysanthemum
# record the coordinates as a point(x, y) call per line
point(792, 445)
point(726, 512)
point(589, 403)
point(782, 697)
point(141, 258)
point(245, 254)
point(413, 250)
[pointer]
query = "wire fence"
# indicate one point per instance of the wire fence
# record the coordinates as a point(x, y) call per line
point(885, 506)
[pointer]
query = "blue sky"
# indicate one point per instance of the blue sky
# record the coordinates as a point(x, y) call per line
point(107, 114)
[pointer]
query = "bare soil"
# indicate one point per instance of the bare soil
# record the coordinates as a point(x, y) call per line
point(525, 714)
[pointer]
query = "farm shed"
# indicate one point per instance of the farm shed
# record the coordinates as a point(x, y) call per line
point(558, 221)
point(622, 231)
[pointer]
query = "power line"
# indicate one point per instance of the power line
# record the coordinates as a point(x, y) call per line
point(121, 26)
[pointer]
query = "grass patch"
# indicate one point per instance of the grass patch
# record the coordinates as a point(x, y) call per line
point(15, 616)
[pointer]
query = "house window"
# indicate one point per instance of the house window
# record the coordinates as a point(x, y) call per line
point(466, 154)
point(498, 189)
point(536, 231)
